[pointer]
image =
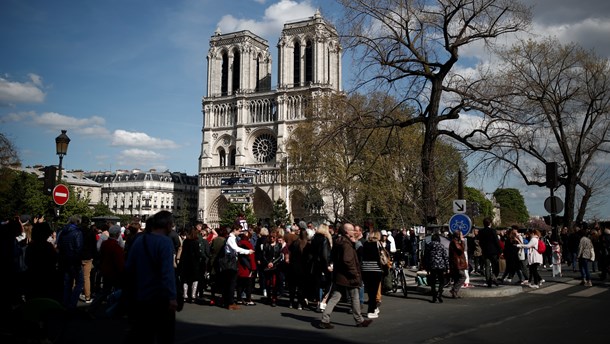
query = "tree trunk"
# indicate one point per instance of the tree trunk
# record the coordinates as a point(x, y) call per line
point(570, 200)
point(427, 152)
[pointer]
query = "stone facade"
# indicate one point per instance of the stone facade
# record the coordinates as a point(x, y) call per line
point(246, 123)
point(144, 193)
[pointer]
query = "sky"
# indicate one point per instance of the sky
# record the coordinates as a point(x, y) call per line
point(125, 78)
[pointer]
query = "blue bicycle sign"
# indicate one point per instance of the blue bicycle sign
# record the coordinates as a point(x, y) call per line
point(460, 222)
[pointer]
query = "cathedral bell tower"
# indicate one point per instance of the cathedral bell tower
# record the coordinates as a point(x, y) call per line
point(246, 123)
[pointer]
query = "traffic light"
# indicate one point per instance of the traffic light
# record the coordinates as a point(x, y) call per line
point(50, 176)
point(552, 176)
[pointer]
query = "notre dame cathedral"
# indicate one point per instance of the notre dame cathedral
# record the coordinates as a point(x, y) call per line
point(246, 123)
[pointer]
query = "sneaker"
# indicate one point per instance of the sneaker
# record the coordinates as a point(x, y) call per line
point(467, 285)
point(377, 311)
point(300, 308)
point(534, 286)
point(526, 282)
point(372, 315)
point(322, 306)
point(508, 280)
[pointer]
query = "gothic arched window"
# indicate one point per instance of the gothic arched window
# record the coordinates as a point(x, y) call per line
point(224, 78)
point(236, 71)
point(297, 64)
point(308, 62)
point(222, 157)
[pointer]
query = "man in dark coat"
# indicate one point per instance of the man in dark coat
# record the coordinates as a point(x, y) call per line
point(347, 277)
point(490, 246)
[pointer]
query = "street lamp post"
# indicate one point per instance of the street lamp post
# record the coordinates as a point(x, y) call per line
point(61, 147)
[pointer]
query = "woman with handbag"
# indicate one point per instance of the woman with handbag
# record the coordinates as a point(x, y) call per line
point(586, 254)
point(271, 259)
point(372, 272)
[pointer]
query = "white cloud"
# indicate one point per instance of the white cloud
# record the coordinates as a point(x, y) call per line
point(136, 139)
point(92, 126)
point(139, 157)
point(17, 116)
point(57, 120)
point(12, 92)
point(273, 20)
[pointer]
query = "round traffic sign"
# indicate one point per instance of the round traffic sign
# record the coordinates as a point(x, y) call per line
point(61, 194)
point(460, 222)
point(554, 205)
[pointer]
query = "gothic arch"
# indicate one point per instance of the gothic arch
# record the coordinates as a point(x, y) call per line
point(263, 204)
point(296, 63)
point(297, 203)
point(308, 59)
point(216, 209)
point(236, 71)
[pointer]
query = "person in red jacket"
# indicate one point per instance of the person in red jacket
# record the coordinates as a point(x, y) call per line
point(246, 268)
point(112, 266)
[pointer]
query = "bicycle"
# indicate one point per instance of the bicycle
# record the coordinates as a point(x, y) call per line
point(399, 279)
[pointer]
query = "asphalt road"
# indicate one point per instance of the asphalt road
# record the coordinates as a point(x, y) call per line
point(560, 312)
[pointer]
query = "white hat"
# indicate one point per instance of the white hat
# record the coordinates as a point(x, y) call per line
point(384, 232)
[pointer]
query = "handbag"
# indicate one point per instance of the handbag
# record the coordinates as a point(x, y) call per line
point(384, 257)
point(226, 259)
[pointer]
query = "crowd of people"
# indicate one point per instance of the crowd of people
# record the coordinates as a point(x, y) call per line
point(147, 271)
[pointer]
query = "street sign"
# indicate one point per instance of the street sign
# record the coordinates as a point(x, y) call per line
point(459, 206)
point(236, 181)
point(553, 208)
point(242, 200)
point(236, 191)
point(248, 170)
point(61, 194)
point(460, 222)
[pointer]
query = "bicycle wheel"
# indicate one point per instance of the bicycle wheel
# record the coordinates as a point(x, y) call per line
point(403, 284)
point(394, 282)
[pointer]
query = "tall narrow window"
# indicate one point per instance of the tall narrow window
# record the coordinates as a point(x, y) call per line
point(258, 73)
point(232, 157)
point(297, 64)
point(222, 157)
point(236, 71)
point(224, 78)
point(308, 62)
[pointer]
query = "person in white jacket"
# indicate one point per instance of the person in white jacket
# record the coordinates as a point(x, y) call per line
point(534, 258)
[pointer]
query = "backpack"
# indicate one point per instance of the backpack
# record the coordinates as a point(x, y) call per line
point(541, 246)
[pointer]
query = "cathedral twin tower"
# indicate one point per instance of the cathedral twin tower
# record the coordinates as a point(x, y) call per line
point(246, 123)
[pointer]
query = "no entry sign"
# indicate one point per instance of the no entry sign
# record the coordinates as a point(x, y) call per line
point(61, 194)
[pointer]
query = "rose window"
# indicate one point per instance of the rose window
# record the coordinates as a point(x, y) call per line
point(264, 148)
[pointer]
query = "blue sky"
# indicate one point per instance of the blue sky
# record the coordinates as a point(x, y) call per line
point(126, 77)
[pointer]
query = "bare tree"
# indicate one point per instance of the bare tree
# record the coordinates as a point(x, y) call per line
point(412, 46)
point(354, 163)
point(546, 102)
point(8, 153)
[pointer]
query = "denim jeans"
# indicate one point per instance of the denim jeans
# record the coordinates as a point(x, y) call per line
point(73, 285)
point(583, 265)
point(491, 268)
